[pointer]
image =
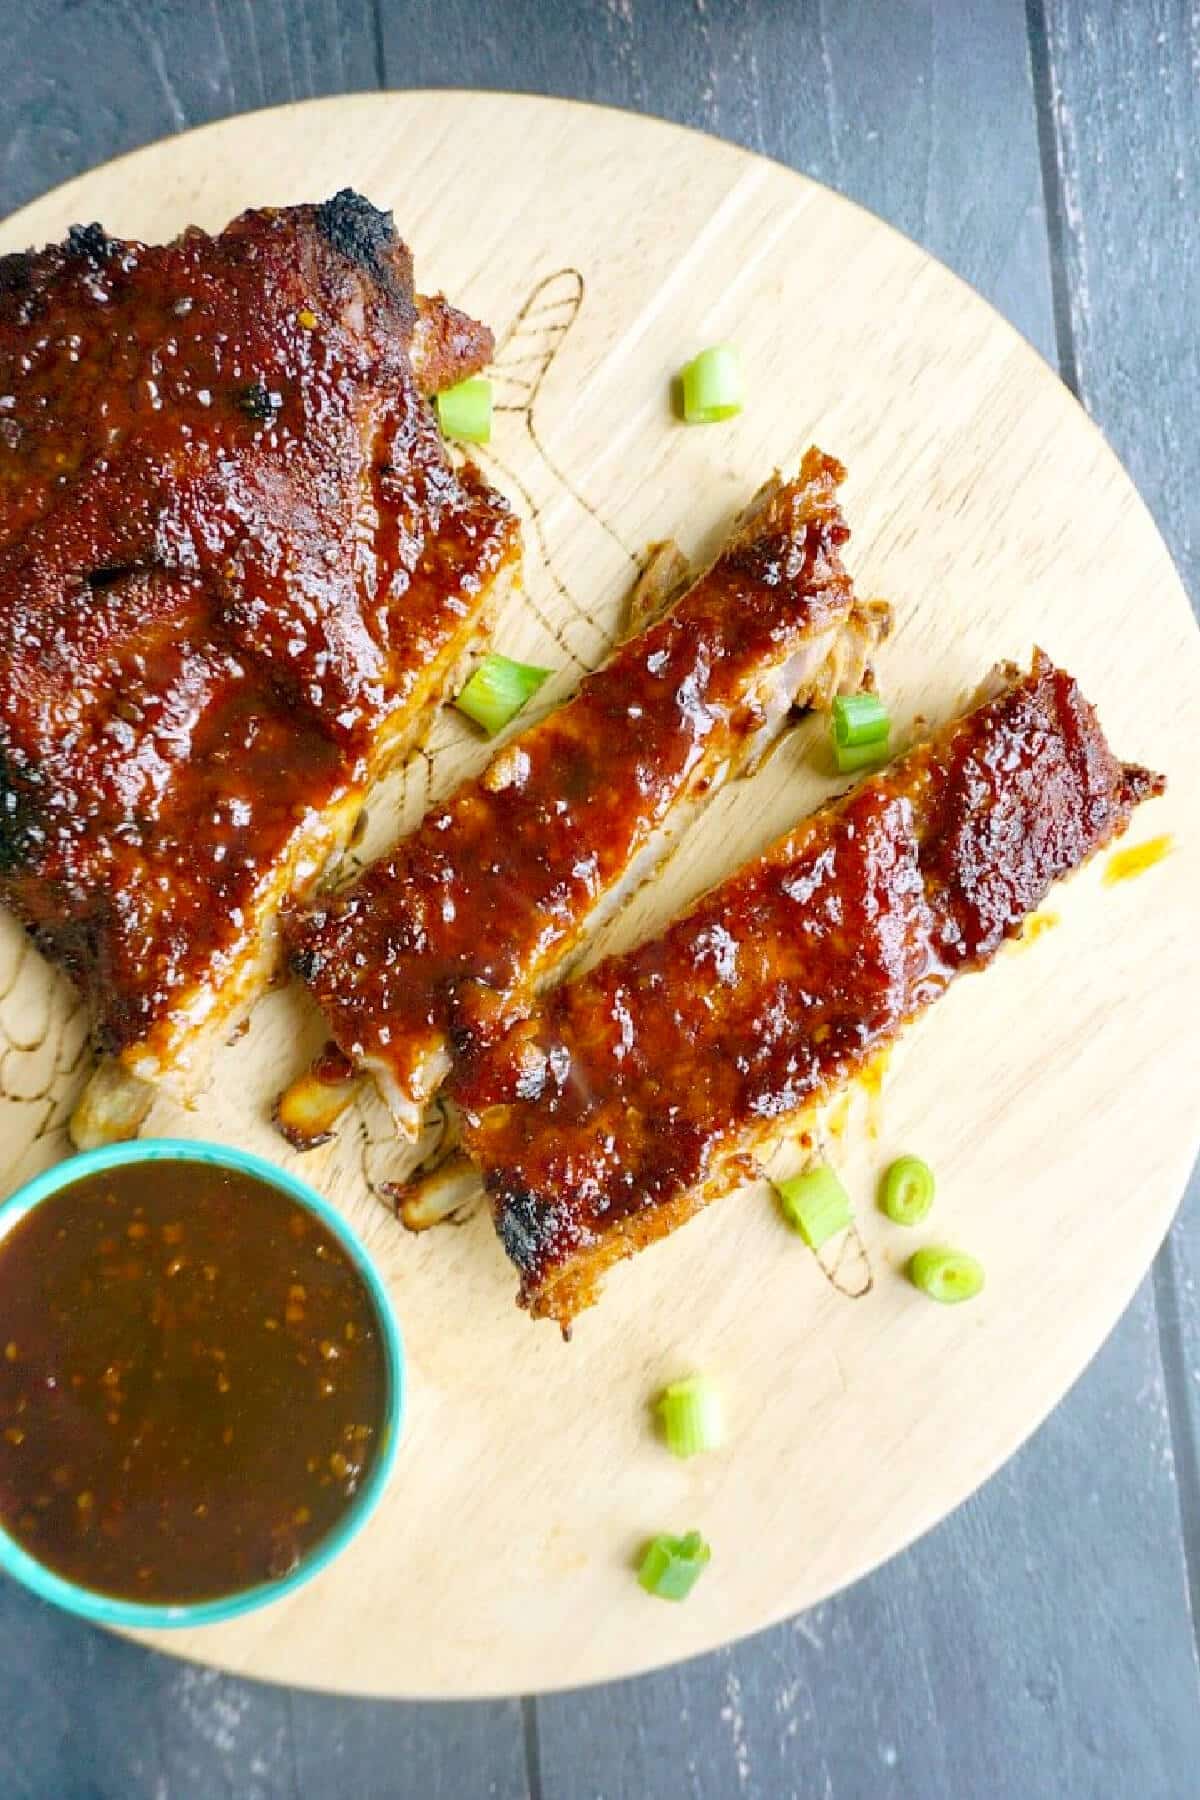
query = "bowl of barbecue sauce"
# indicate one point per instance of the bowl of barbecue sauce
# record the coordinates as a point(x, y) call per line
point(201, 1383)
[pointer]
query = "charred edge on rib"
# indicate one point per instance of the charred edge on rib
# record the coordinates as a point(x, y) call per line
point(308, 964)
point(16, 272)
point(91, 244)
point(293, 1135)
point(529, 1229)
point(21, 836)
point(780, 557)
point(361, 233)
point(1138, 784)
point(99, 579)
point(259, 402)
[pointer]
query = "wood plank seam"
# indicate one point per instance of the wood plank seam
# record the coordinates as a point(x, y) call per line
point(1052, 192)
point(379, 44)
point(533, 1747)
point(1184, 1445)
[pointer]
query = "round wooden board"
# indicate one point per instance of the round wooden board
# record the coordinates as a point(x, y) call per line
point(1055, 1095)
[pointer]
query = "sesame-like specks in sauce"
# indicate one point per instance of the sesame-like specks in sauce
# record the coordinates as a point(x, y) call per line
point(163, 1436)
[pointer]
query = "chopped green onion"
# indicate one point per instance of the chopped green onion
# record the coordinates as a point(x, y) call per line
point(815, 1204)
point(712, 386)
point(906, 1192)
point(692, 1415)
point(859, 719)
point(861, 728)
point(946, 1275)
point(465, 411)
point(671, 1566)
point(851, 757)
point(498, 690)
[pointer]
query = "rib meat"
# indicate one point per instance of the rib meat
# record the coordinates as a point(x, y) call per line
point(644, 1090)
point(446, 941)
point(237, 569)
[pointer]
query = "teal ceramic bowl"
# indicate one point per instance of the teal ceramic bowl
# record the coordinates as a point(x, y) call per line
point(103, 1609)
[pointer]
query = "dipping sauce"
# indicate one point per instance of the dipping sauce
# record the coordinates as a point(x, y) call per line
point(193, 1381)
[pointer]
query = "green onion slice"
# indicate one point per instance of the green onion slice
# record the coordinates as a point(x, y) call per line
point(946, 1275)
point(849, 758)
point(671, 1566)
point(465, 411)
point(712, 386)
point(861, 729)
point(498, 690)
point(906, 1191)
point(692, 1415)
point(815, 1204)
point(859, 719)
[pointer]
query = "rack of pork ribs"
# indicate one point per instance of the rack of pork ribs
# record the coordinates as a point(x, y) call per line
point(238, 570)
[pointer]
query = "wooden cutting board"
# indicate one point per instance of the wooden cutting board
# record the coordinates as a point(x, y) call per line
point(1056, 1096)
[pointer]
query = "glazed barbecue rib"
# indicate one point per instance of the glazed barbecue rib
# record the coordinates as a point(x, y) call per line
point(237, 570)
point(445, 942)
point(643, 1091)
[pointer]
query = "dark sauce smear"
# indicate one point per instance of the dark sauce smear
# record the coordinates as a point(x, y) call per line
point(193, 1382)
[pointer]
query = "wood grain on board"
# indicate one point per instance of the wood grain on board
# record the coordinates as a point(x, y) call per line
point(935, 128)
point(88, 79)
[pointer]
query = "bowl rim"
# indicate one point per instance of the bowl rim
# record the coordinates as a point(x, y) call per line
point(106, 1609)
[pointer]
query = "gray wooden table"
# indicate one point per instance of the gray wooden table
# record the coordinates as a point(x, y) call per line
point(1043, 1641)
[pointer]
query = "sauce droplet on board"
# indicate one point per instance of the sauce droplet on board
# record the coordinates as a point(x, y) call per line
point(1035, 926)
point(871, 1081)
point(1135, 859)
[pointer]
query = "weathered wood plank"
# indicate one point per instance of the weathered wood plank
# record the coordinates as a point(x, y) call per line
point(381, 1749)
point(1123, 99)
point(105, 1719)
point(924, 113)
point(85, 82)
point(1124, 96)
